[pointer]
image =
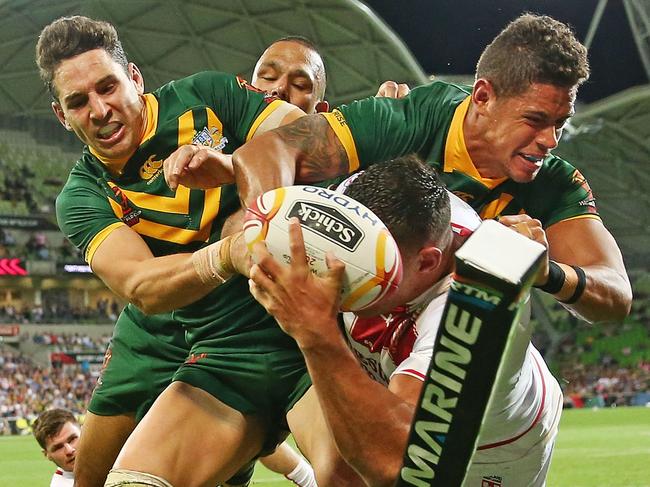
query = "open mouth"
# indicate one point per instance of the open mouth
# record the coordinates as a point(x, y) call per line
point(533, 163)
point(109, 132)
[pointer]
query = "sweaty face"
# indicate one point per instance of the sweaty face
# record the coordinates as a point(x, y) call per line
point(62, 447)
point(101, 103)
point(293, 72)
point(518, 132)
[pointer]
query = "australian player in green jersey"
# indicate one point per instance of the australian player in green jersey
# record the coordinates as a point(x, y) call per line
point(117, 186)
point(492, 143)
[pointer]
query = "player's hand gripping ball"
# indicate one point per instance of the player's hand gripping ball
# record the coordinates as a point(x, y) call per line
point(334, 222)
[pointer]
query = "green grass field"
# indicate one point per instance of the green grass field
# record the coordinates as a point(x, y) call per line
point(596, 448)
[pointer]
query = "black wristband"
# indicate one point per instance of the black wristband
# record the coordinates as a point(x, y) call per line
point(556, 277)
point(580, 287)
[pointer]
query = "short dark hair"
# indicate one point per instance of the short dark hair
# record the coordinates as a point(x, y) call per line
point(533, 49)
point(49, 423)
point(67, 37)
point(408, 196)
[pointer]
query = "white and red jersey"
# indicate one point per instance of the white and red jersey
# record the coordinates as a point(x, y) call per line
point(516, 440)
point(61, 478)
point(518, 432)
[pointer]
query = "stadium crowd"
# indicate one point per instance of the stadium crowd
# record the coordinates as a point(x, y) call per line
point(27, 389)
point(57, 311)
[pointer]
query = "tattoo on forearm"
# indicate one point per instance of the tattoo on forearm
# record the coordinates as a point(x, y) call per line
point(323, 155)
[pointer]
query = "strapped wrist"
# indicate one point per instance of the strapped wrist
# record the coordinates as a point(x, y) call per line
point(212, 263)
point(556, 278)
point(580, 286)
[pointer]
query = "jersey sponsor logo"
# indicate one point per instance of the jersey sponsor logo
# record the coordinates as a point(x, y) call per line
point(492, 481)
point(450, 360)
point(589, 201)
point(327, 222)
point(346, 203)
point(130, 215)
point(210, 137)
point(151, 169)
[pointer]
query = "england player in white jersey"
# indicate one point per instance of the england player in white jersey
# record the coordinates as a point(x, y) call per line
point(57, 431)
point(392, 343)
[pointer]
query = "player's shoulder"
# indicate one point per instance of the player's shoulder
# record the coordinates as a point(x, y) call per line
point(201, 81)
point(556, 170)
point(83, 179)
point(445, 89)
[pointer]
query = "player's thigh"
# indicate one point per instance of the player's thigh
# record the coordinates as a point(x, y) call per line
point(101, 439)
point(309, 428)
point(190, 438)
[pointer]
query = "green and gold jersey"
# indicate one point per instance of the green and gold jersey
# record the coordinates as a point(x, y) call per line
point(429, 122)
point(210, 108)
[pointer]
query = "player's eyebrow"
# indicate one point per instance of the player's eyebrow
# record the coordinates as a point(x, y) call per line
point(294, 72)
point(75, 94)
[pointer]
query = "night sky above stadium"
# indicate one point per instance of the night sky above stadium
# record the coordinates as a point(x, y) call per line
point(447, 36)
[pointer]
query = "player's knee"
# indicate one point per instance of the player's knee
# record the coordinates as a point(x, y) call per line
point(129, 478)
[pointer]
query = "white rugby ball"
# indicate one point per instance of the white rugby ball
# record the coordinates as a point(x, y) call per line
point(334, 222)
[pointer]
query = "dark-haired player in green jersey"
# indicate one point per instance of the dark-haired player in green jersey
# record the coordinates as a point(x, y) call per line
point(491, 143)
point(141, 237)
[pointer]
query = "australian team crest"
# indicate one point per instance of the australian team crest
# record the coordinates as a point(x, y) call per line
point(210, 137)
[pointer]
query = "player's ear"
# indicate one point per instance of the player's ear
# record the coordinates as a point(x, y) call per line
point(482, 93)
point(429, 259)
point(58, 111)
point(136, 77)
point(322, 107)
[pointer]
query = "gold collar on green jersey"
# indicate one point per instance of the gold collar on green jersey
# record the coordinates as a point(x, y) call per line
point(456, 156)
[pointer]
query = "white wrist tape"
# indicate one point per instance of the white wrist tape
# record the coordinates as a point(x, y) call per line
point(212, 263)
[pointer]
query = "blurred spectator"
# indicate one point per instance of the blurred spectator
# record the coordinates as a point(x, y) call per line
point(37, 247)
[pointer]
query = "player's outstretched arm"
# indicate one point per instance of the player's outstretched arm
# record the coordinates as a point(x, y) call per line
point(159, 284)
point(306, 150)
point(582, 245)
point(370, 423)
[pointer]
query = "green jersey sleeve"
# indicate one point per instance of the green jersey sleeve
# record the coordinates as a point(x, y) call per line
point(84, 213)
point(385, 128)
point(560, 192)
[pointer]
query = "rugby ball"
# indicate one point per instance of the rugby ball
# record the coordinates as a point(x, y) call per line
point(334, 222)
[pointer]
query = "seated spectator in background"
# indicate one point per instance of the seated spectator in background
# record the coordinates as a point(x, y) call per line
point(37, 247)
point(57, 431)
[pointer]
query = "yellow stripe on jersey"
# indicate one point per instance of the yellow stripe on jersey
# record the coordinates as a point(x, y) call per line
point(179, 203)
point(211, 206)
point(342, 131)
point(151, 104)
point(167, 233)
point(98, 239)
point(578, 217)
point(273, 106)
point(456, 155)
point(496, 207)
point(186, 128)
